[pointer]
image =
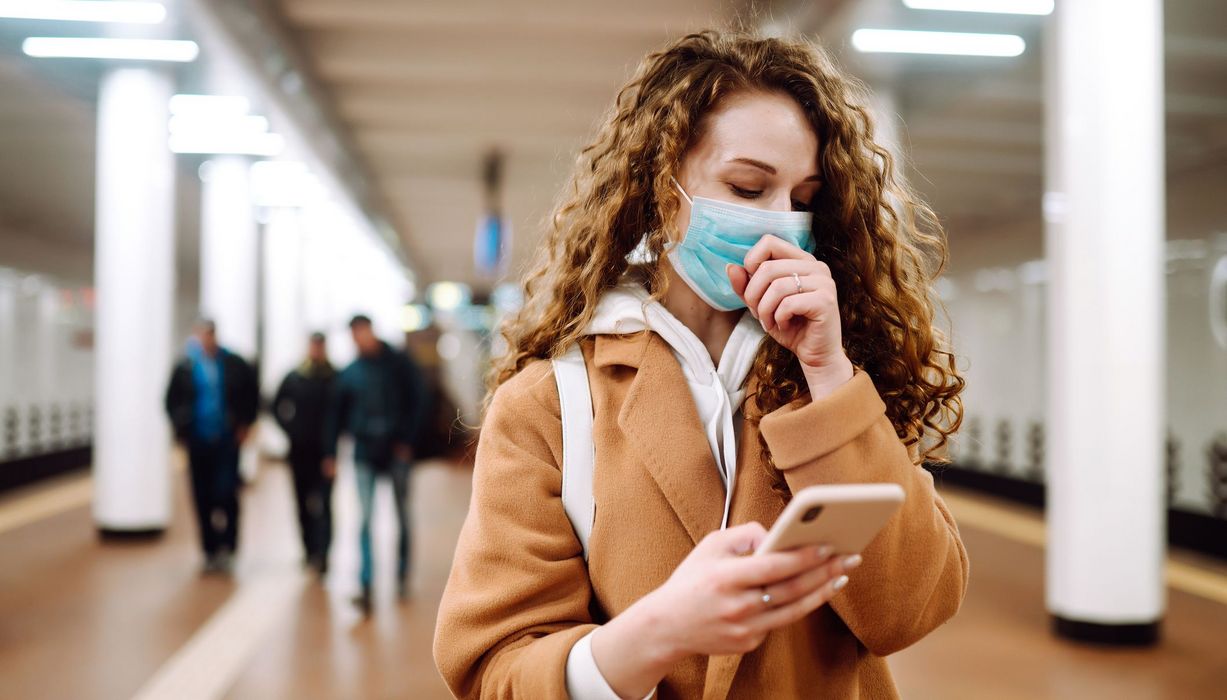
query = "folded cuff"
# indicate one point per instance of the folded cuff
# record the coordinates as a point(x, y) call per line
point(584, 680)
point(805, 431)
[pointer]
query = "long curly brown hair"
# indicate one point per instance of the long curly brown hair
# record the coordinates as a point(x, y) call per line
point(883, 245)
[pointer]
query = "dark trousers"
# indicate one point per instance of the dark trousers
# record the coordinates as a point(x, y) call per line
point(313, 493)
point(215, 489)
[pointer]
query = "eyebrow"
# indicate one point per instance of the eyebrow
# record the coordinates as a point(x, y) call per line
point(769, 168)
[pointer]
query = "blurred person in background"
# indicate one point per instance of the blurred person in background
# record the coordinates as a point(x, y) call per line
point(212, 401)
point(301, 409)
point(380, 400)
point(774, 331)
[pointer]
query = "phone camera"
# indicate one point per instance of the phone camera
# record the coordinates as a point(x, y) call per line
point(811, 514)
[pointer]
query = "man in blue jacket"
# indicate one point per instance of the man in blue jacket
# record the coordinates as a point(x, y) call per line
point(212, 401)
point(380, 400)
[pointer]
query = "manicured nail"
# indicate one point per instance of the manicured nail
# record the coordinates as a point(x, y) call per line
point(840, 583)
point(824, 551)
point(727, 267)
point(851, 562)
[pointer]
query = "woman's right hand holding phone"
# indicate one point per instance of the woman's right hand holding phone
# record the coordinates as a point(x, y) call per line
point(718, 601)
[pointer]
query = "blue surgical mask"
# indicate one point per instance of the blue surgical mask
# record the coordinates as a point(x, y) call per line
point(721, 233)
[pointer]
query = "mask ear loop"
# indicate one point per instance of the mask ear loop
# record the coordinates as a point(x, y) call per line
point(679, 189)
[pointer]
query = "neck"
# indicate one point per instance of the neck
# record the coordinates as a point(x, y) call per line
point(711, 326)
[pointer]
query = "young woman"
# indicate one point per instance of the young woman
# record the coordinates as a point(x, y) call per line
point(750, 288)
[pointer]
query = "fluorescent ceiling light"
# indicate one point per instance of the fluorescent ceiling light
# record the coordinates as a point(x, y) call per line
point(266, 145)
point(209, 106)
point(947, 43)
point(218, 124)
point(84, 11)
point(1005, 7)
point(120, 49)
point(198, 124)
point(448, 296)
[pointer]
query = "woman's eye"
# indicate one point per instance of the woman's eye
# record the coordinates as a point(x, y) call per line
point(744, 193)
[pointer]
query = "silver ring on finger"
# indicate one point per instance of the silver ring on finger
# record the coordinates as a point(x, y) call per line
point(797, 281)
point(766, 598)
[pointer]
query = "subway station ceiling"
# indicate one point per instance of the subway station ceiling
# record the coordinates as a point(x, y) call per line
point(424, 90)
point(427, 88)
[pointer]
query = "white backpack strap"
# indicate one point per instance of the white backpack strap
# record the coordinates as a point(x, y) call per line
point(578, 456)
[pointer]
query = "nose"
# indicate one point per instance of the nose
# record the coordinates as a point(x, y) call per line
point(779, 201)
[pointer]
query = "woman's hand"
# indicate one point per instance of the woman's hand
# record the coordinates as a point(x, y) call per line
point(804, 319)
point(714, 604)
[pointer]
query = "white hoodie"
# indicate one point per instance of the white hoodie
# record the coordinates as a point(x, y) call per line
point(717, 392)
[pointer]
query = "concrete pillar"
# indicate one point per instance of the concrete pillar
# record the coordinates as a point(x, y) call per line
point(229, 268)
point(1104, 234)
point(229, 253)
point(285, 337)
point(134, 278)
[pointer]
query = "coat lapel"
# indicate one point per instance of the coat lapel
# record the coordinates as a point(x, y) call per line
point(660, 422)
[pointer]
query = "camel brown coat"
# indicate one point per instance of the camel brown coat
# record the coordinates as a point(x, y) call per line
point(520, 595)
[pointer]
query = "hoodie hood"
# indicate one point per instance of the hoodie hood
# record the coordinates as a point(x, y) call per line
point(718, 391)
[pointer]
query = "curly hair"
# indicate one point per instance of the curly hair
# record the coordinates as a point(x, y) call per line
point(883, 245)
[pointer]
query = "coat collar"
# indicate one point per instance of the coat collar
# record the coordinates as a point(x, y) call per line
point(662, 425)
point(625, 350)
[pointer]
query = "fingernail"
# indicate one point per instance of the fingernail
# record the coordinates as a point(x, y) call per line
point(824, 551)
point(840, 583)
point(727, 267)
point(851, 562)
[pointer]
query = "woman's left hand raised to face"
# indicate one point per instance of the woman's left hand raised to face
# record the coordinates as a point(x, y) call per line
point(806, 321)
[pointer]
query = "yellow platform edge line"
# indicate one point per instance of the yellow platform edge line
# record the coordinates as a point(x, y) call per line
point(1030, 529)
point(46, 503)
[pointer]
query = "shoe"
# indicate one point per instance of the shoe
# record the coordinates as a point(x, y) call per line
point(363, 601)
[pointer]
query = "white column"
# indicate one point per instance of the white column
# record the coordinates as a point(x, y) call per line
point(229, 267)
point(134, 278)
point(285, 337)
point(229, 253)
point(1104, 233)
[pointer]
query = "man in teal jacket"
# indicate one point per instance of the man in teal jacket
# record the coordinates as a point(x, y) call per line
point(380, 400)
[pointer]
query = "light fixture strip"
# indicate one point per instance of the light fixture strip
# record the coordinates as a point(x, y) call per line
point(1003, 7)
point(937, 43)
point(113, 11)
point(173, 50)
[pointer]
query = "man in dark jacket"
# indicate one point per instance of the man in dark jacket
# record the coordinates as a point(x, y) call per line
point(212, 401)
point(380, 401)
point(301, 409)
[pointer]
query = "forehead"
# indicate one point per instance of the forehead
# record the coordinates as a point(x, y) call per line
point(766, 126)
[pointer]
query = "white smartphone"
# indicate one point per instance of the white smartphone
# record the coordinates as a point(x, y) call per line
point(844, 516)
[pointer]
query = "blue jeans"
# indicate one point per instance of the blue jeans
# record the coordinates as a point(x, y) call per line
point(365, 474)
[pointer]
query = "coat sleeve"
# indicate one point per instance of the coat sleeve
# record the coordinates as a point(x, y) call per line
point(178, 402)
point(914, 573)
point(248, 404)
point(336, 421)
point(285, 404)
point(518, 596)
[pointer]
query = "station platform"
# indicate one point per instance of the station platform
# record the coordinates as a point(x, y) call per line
point(88, 618)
